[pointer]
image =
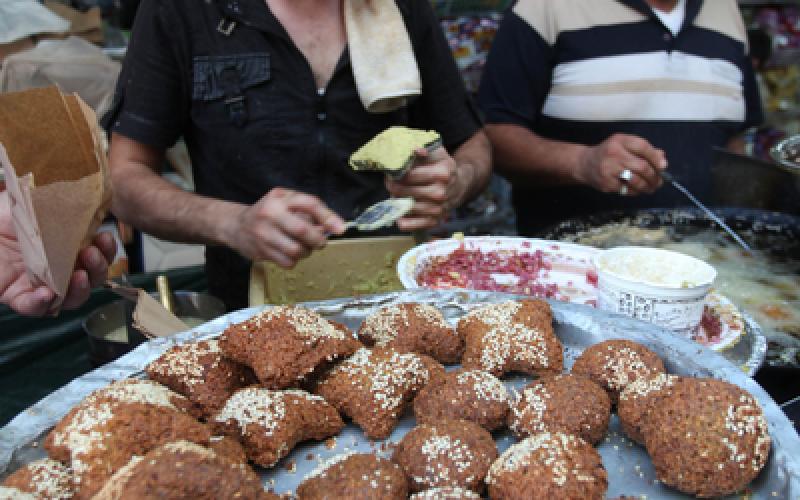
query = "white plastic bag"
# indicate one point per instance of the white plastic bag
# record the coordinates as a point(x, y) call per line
point(73, 64)
point(23, 18)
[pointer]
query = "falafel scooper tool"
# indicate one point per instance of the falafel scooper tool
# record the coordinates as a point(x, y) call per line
point(382, 214)
point(677, 185)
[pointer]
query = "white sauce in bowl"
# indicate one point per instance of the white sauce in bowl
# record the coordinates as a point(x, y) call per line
point(655, 267)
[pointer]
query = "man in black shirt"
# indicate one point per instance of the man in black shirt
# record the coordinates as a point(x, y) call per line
point(264, 95)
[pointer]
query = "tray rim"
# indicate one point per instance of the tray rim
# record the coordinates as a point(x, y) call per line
point(30, 424)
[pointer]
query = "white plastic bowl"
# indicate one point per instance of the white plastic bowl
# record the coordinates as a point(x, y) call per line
point(662, 287)
point(570, 262)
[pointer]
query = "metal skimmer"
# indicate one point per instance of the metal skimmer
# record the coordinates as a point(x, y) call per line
point(381, 214)
point(668, 177)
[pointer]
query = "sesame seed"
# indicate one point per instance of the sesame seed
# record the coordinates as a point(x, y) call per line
point(384, 325)
point(262, 407)
point(186, 361)
point(529, 408)
point(551, 450)
point(136, 391)
point(388, 379)
point(486, 386)
point(306, 323)
point(623, 366)
point(83, 434)
point(506, 336)
point(445, 493)
point(50, 479)
point(189, 447)
point(442, 453)
point(327, 464)
point(643, 386)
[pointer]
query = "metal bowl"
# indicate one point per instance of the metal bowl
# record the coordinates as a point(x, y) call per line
point(111, 333)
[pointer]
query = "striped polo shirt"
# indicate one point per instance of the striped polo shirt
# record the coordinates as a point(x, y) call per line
point(582, 70)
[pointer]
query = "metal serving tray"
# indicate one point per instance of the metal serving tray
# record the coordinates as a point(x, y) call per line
point(629, 468)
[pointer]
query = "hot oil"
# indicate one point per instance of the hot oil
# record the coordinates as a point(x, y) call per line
point(763, 284)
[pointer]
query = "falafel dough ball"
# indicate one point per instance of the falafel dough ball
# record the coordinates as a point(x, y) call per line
point(548, 465)
point(199, 371)
point(707, 437)
point(514, 336)
point(355, 475)
point(181, 469)
point(638, 399)
point(412, 327)
point(45, 479)
point(616, 363)
point(97, 439)
point(472, 395)
point(375, 386)
point(286, 344)
point(270, 423)
point(567, 403)
point(447, 453)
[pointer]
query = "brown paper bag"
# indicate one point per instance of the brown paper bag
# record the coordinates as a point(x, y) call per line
point(150, 317)
point(57, 176)
point(153, 320)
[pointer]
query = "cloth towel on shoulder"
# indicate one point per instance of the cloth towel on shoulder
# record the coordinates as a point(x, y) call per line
point(381, 55)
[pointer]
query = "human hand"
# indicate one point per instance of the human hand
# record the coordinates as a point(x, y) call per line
point(434, 184)
point(284, 226)
point(602, 166)
point(16, 289)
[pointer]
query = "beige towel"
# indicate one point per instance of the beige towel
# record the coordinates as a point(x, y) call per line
point(383, 62)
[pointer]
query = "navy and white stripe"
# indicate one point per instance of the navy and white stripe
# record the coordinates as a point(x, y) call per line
point(651, 86)
point(581, 70)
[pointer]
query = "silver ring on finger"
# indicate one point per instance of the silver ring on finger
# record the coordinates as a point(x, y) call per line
point(626, 175)
point(623, 190)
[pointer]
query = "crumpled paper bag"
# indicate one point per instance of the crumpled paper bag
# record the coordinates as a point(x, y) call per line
point(150, 317)
point(53, 155)
point(73, 64)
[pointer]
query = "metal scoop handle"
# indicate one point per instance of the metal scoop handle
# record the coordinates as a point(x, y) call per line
point(677, 185)
point(382, 214)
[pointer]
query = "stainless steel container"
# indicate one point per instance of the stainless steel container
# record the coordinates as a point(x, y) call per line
point(110, 332)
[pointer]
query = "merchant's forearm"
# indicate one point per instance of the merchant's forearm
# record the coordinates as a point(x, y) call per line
point(527, 158)
point(474, 165)
point(145, 200)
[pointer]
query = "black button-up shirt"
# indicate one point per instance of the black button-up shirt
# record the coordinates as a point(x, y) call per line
point(252, 116)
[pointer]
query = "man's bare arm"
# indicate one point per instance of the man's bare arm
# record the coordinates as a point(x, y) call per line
point(529, 159)
point(474, 167)
point(147, 201)
point(283, 226)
